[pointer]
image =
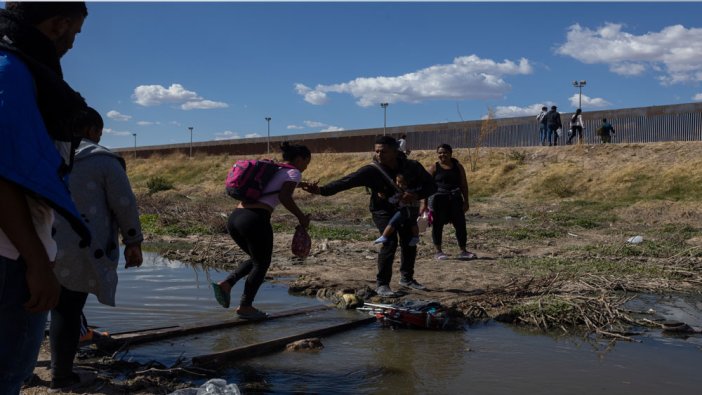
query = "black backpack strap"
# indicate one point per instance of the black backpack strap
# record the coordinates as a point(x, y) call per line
point(387, 177)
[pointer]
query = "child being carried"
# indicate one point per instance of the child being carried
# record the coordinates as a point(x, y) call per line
point(406, 214)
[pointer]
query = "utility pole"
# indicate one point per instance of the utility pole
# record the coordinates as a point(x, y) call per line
point(579, 85)
point(191, 141)
point(385, 116)
point(268, 119)
point(134, 134)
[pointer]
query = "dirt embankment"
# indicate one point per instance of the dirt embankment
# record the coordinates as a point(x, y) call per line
point(549, 225)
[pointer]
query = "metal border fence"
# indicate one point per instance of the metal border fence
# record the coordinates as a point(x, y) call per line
point(679, 122)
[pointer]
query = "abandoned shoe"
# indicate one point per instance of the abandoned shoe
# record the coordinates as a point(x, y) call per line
point(385, 291)
point(92, 336)
point(223, 298)
point(76, 382)
point(412, 284)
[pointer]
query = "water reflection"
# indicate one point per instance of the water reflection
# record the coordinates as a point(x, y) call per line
point(486, 359)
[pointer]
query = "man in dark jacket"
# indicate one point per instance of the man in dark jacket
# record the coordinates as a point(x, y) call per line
point(553, 121)
point(392, 162)
point(37, 108)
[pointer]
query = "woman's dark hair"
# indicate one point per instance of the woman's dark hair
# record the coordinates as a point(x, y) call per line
point(292, 151)
point(89, 119)
point(36, 12)
point(446, 147)
point(387, 140)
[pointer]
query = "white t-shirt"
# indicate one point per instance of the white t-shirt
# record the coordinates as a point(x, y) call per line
point(43, 220)
point(276, 183)
point(402, 143)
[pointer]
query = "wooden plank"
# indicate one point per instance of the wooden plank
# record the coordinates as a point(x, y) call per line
point(271, 346)
point(123, 339)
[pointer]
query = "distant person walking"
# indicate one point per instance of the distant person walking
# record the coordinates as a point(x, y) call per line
point(543, 127)
point(387, 161)
point(605, 131)
point(402, 145)
point(553, 121)
point(576, 126)
point(450, 202)
point(250, 227)
point(102, 193)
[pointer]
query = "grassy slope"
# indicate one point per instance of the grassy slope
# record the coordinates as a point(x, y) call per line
point(625, 172)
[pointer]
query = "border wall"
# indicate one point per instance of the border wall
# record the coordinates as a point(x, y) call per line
point(679, 122)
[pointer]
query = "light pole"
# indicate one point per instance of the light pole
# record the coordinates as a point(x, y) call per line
point(579, 85)
point(134, 134)
point(385, 115)
point(191, 141)
point(268, 119)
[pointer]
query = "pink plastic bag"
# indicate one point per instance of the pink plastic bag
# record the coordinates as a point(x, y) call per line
point(301, 243)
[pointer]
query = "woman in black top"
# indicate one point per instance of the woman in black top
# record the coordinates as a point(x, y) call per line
point(450, 202)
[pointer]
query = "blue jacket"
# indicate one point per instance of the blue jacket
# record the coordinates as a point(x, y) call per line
point(28, 156)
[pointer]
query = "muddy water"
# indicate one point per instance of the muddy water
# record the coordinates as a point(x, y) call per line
point(485, 359)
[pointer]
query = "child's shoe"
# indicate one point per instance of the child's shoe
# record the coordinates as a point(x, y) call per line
point(413, 241)
point(381, 240)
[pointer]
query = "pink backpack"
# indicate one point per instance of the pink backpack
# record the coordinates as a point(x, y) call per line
point(247, 178)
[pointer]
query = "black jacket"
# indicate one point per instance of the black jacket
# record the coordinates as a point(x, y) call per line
point(369, 176)
point(553, 119)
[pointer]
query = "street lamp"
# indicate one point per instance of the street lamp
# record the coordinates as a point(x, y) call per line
point(134, 134)
point(191, 141)
point(385, 115)
point(579, 85)
point(268, 119)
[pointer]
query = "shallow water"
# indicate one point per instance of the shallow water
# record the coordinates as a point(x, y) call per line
point(486, 359)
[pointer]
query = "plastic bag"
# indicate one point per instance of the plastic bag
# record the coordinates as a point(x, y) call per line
point(423, 222)
point(301, 242)
point(212, 387)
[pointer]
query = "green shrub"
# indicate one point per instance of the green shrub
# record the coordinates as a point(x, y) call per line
point(157, 184)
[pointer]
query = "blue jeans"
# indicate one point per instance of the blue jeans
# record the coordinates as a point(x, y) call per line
point(543, 133)
point(21, 332)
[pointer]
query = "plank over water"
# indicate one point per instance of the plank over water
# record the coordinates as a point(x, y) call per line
point(271, 346)
point(118, 340)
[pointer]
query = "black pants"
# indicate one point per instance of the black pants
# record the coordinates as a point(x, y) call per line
point(576, 130)
point(386, 256)
point(64, 332)
point(251, 230)
point(448, 209)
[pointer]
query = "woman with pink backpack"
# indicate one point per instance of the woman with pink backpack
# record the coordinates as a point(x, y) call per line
point(250, 227)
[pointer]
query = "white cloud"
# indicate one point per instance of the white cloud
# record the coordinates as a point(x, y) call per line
point(468, 77)
point(675, 52)
point(147, 123)
point(155, 95)
point(324, 126)
point(113, 132)
point(294, 127)
point(315, 124)
point(117, 116)
point(227, 135)
point(203, 105)
point(514, 111)
point(593, 102)
point(697, 97)
point(252, 135)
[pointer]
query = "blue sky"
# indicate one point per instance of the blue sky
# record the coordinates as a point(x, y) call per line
point(155, 69)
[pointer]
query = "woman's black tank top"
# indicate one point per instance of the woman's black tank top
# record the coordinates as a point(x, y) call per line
point(447, 180)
